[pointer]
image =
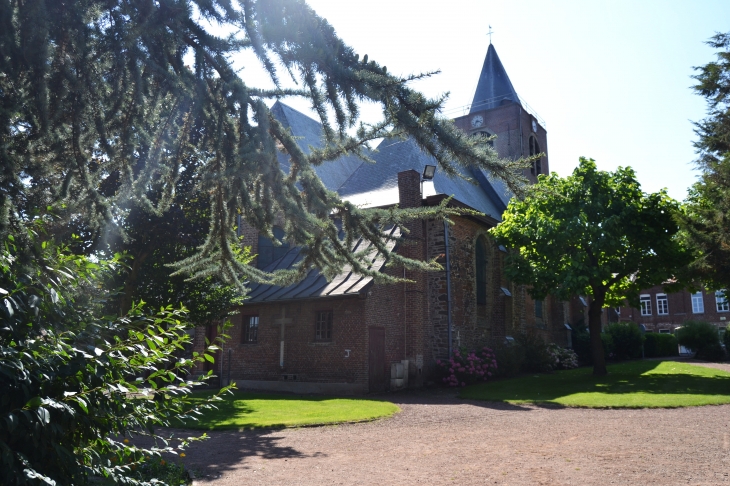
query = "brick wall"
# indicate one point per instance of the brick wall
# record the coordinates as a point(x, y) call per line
point(310, 360)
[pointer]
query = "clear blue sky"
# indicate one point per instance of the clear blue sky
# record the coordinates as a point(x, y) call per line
point(610, 78)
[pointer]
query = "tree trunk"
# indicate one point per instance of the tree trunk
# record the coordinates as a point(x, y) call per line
point(594, 327)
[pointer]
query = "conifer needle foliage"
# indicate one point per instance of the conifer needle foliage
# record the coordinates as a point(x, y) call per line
point(104, 102)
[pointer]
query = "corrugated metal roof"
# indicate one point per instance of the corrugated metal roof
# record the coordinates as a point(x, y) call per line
point(314, 284)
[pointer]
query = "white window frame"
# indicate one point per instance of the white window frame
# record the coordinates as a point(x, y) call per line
point(698, 303)
point(645, 304)
point(721, 302)
point(662, 305)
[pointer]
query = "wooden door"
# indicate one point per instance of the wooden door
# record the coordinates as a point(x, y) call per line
point(376, 359)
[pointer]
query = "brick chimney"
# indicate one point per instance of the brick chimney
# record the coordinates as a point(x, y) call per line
point(409, 189)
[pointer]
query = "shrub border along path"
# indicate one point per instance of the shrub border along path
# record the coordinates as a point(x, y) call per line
point(637, 384)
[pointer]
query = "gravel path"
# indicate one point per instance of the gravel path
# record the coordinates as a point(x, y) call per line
point(439, 439)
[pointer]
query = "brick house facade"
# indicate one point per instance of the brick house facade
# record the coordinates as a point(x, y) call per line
point(353, 336)
point(664, 312)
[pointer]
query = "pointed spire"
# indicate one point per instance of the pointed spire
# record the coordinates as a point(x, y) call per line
point(494, 88)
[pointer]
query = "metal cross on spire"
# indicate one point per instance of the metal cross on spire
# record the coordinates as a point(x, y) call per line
point(490, 35)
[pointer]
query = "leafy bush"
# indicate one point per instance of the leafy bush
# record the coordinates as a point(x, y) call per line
point(464, 368)
point(701, 337)
point(74, 383)
point(627, 340)
point(712, 352)
point(658, 345)
point(510, 358)
point(582, 346)
point(564, 359)
point(538, 358)
point(726, 338)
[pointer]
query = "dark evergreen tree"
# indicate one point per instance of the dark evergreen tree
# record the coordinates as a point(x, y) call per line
point(103, 101)
point(706, 220)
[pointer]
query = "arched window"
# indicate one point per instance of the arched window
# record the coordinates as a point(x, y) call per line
point(485, 134)
point(534, 150)
point(268, 253)
point(480, 255)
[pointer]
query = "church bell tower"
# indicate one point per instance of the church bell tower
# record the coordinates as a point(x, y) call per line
point(497, 110)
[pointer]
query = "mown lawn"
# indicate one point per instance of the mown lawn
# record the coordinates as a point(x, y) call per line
point(638, 384)
point(251, 410)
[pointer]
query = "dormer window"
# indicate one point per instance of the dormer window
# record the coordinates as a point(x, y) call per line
point(536, 169)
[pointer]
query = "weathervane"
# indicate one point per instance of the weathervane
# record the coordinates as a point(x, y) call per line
point(490, 35)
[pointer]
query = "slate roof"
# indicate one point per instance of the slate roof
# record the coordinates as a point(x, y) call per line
point(373, 185)
point(494, 87)
point(314, 284)
point(309, 133)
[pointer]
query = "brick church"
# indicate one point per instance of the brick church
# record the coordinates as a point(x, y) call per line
point(353, 336)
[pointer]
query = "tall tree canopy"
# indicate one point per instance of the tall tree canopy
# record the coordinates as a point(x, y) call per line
point(707, 216)
point(592, 233)
point(105, 103)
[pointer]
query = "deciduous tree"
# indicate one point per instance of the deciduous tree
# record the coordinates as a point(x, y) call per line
point(592, 233)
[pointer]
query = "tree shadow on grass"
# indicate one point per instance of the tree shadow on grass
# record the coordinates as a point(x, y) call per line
point(632, 379)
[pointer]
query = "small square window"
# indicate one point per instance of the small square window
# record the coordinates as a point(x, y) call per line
point(662, 305)
point(698, 303)
point(323, 331)
point(721, 301)
point(250, 331)
point(645, 302)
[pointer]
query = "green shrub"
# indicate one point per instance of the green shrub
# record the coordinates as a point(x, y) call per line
point(726, 339)
point(701, 337)
point(565, 359)
point(75, 382)
point(658, 345)
point(538, 357)
point(510, 358)
point(627, 339)
point(582, 346)
point(713, 352)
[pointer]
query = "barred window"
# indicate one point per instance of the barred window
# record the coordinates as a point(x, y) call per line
point(250, 331)
point(323, 330)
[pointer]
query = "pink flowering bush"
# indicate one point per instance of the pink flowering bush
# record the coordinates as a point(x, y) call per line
point(464, 368)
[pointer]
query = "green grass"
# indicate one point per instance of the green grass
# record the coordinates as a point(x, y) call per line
point(249, 410)
point(638, 384)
